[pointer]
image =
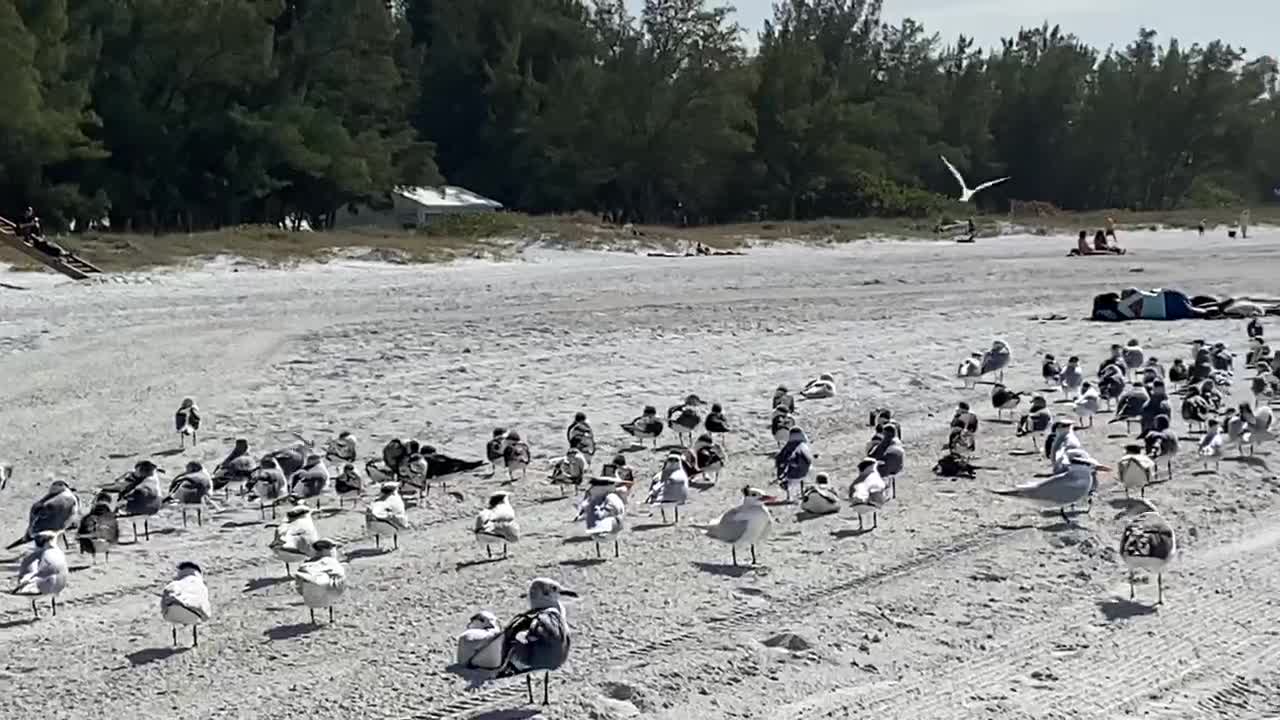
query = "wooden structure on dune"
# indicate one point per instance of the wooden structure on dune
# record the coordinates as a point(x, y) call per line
point(67, 263)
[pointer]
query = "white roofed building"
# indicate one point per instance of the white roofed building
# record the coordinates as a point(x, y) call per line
point(410, 207)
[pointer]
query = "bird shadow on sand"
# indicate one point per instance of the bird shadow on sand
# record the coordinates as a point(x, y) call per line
point(806, 516)
point(780, 503)
point(733, 571)
point(170, 452)
point(1114, 609)
point(575, 539)
point(646, 527)
point(701, 485)
point(634, 447)
point(999, 421)
point(366, 552)
point(288, 632)
point(852, 532)
point(583, 562)
point(463, 565)
point(121, 456)
point(79, 568)
point(547, 500)
point(240, 524)
point(671, 447)
point(1202, 473)
point(1023, 453)
point(17, 623)
point(1117, 436)
point(150, 655)
point(1250, 460)
point(521, 714)
point(263, 583)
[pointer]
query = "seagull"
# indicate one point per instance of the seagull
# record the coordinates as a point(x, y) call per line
point(1133, 354)
point(670, 487)
point(780, 424)
point(1162, 443)
point(6, 472)
point(1088, 403)
point(237, 466)
point(187, 421)
point(1147, 544)
point(1239, 431)
point(1063, 489)
point(1195, 409)
point(267, 483)
point(515, 456)
point(708, 457)
point(964, 425)
point(497, 524)
point(537, 639)
point(819, 498)
point(685, 418)
point(996, 359)
point(494, 448)
point(970, 370)
point(1211, 444)
point(1178, 372)
point(745, 525)
point(1036, 422)
point(965, 193)
point(311, 480)
point(1004, 400)
point(442, 468)
point(294, 540)
point(867, 493)
point(581, 437)
point(43, 571)
point(891, 458)
point(322, 579)
point(1071, 378)
point(782, 398)
point(348, 484)
point(1111, 384)
point(822, 388)
point(191, 489)
point(386, 515)
point(480, 645)
point(98, 530)
point(1130, 405)
point(1051, 372)
point(185, 601)
point(569, 470)
point(342, 448)
point(604, 511)
point(646, 427)
point(141, 496)
point(716, 423)
point(1136, 470)
point(1062, 439)
point(58, 510)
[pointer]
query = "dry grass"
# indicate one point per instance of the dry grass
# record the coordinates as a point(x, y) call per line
point(498, 235)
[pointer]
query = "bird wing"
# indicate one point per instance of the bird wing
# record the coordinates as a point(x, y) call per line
point(731, 526)
point(954, 171)
point(989, 183)
point(189, 593)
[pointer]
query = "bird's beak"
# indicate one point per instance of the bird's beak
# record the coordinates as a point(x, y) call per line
point(769, 499)
point(568, 593)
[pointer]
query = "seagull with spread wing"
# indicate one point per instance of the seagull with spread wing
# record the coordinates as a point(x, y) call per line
point(965, 193)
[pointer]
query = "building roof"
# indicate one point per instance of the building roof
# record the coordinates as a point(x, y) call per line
point(447, 197)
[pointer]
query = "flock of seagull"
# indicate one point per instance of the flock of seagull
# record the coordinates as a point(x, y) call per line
point(539, 639)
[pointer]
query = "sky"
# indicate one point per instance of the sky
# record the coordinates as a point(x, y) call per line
point(1253, 24)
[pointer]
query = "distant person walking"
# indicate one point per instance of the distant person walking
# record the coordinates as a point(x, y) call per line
point(1202, 227)
point(1111, 227)
point(1244, 223)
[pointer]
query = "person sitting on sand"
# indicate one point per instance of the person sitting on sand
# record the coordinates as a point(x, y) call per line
point(1082, 245)
point(1102, 247)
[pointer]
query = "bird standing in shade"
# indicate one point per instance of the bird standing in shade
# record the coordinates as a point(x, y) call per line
point(56, 511)
point(187, 422)
point(322, 580)
point(496, 523)
point(604, 512)
point(1148, 544)
point(191, 489)
point(43, 571)
point(386, 515)
point(141, 496)
point(185, 601)
point(538, 639)
point(98, 529)
point(745, 525)
point(997, 359)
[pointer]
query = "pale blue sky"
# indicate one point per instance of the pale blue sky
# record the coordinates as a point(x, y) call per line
point(1255, 24)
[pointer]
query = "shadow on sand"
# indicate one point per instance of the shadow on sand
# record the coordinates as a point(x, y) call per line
point(150, 655)
point(723, 570)
point(1114, 609)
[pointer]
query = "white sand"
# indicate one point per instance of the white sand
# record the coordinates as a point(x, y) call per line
point(960, 604)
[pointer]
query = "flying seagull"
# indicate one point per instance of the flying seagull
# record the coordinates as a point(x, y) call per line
point(965, 193)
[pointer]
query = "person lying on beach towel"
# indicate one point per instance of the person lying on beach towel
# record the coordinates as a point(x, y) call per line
point(1165, 304)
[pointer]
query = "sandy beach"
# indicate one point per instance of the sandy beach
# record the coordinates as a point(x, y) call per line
point(960, 605)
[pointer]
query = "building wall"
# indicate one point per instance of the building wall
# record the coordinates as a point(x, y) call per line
point(403, 213)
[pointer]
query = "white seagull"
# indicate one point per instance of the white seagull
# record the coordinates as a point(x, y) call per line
point(965, 193)
point(322, 579)
point(386, 515)
point(1147, 544)
point(744, 525)
point(185, 601)
point(43, 571)
point(497, 524)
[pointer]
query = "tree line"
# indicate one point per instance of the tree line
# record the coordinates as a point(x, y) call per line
point(165, 115)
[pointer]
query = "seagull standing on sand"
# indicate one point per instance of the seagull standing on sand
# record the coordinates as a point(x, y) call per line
point(970, 370)
point(965, 193)
point(1072, 378)
point(141, 496)
point(1088, 403)
point(43, 571)
point(670, 487)
point(496, 523)
point(997, 359)
point(1063, 489)
point(646, 427)
point(793, 462)
point(1147, 544)
point(294, 540)
point(538, 639)
point(493, 449)
point(342, 448)
point(480, 645)
point(604, 512)
point(1004, 400)
point(311, 481)
point(1195, 409)
point(1063, 439)
point(1133, 354)
point(386, 515)
point(1162, 443)
point(1136, 470)
point(581, 436)
point(1036, 422)
point(98, 529)
point(716, 423)
point(58, 510)
point(1130, 406)
point(685, 418)
point(6, 472)
point(516, 456)
point(186, 422)
point(781, 422)
point(322, 580)
point(267, 483)
point(745, 525)
point(867, 493)
point(1211, 444)
point(190, 490)
point(1051, 372)
point(819, 498)
point(569, 470)
point(348, 484)
point(185, 601)
point(237, 466)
